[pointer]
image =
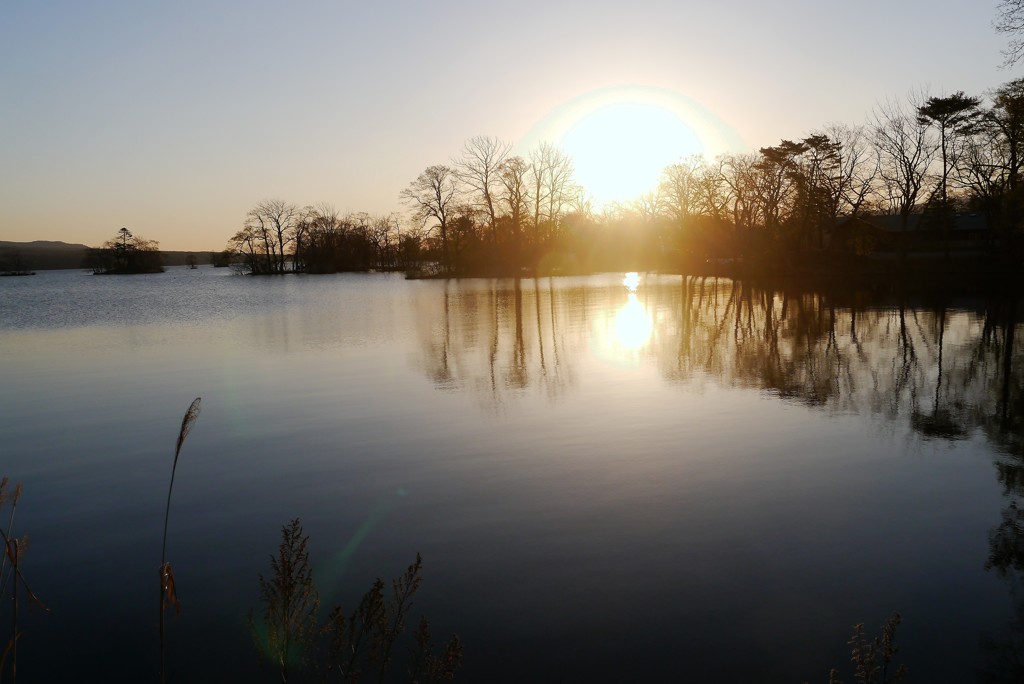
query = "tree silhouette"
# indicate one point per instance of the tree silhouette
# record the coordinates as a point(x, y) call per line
point(952, 116)
point(272, 225)
point(905, 153)
point(125, 253)
point(1010, 20)
point(432, 198)
point(479, 169)
point(996, 167)
point(514, 197)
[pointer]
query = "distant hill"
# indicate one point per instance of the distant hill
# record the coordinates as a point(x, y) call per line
point(42, 255)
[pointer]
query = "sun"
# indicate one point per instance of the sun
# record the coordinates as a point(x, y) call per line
point(620, 138)
point(619, 150)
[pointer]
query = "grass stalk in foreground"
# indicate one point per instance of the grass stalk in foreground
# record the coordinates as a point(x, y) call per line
point(288, 630)
point(10, 571)
point(346, 648)
point(167, 592)
point(873, 658)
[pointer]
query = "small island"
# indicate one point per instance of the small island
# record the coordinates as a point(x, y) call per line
point(125, 254)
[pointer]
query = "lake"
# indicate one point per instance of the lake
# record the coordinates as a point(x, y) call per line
point(619, 477)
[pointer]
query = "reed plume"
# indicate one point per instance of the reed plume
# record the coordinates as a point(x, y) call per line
point(168, 595)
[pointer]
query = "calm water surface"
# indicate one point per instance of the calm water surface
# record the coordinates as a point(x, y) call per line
point(610, 478)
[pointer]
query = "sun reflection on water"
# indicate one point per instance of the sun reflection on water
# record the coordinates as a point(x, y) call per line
point(633, 326)
point(627, 329)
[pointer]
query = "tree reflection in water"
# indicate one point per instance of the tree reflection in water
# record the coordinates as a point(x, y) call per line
point(948, 368)
point(945, 369)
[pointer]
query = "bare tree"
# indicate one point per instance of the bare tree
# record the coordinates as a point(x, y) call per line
point(712, 192)
point(384, 235)
point(515, 197)
point(246, 244)
point(857, 170)
point(578, 202)
point(647, 206)
point(332, 244)
point(851, 177)
point(1006, 118)
point(273, 224)
point(739, 174)
point(1003, 125)
point(479, 168)
point(1010, 20)
point(905, 153)
point(984, 171)
point(432, 199)
point(679, 189)
point(551, 179)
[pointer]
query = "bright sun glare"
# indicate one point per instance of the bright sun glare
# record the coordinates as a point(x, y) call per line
point(621, 137)
point(622, 331)
point(619, 150)
point(633, 326)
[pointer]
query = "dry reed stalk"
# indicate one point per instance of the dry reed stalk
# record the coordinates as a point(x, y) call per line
point(13, 550)
point(403, 590)
point(168, 596)
point(290, 604)
point(873, 657)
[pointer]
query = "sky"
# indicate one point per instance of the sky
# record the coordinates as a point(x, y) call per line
point(174, 119)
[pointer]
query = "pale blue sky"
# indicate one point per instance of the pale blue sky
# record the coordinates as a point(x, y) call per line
point(173, 119)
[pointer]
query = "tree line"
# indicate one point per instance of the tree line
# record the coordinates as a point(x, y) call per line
point(922, 162)
point(279, 236)
point(460, 221)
